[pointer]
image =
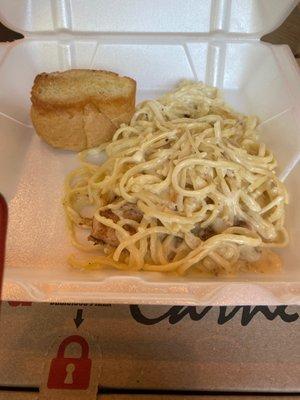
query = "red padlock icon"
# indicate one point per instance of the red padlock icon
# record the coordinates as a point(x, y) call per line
point(70, 372)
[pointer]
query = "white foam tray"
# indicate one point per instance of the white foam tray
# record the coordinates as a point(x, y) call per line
point(157, 43)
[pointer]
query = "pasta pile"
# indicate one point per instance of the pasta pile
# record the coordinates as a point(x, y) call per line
point(185, 186)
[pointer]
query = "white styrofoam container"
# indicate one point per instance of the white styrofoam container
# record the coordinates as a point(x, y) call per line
point(157, 43)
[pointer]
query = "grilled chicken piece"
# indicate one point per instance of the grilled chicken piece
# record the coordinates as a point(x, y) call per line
point(130, 211)
point(104, 234)
point(203, 234)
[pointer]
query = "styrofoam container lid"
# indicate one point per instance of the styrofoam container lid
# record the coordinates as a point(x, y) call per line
point(235, 17)
point(157, 43)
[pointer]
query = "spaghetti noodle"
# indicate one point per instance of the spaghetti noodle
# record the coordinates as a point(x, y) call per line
point(185, 186)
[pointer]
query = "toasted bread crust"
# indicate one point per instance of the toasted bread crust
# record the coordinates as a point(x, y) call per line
point(80, 120)
point(58, 78)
